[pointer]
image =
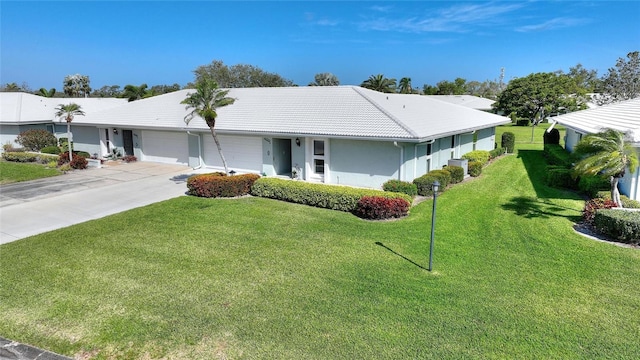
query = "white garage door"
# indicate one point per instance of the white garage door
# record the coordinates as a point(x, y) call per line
point(165, 147)
point(243, 153)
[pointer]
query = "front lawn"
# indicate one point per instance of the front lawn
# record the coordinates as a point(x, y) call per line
point(195, 278)
point(13, 172)
point(523, 135)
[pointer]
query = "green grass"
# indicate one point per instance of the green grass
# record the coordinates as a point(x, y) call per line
point(523, 135)
point(11, 172)
point(195, 278)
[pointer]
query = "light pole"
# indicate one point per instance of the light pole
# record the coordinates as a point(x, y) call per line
point(435, 187)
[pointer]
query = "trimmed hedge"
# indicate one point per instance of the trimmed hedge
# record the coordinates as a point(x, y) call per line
point(590, 185)
point(523, 122)
point(626, 202)
point(475, 168)
point(333, 197)
point(619, 224)
point(399, 186)
point(380, 208)
point(29, 157)
point(560, 177)
point(508, 141)
point(592, 206)
point(557, 155)
point(456, 173)
point(425, 183)
point(220, 185)
point(51, 150)
point(495, 153)
point(478, 155)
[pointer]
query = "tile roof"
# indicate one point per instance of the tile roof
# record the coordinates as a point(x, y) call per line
point(337, 111)
point(623, 116)
point(470, 101)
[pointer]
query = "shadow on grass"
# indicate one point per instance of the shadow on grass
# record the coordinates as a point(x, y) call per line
point(530, 207)
point(402, 256)
point(536, 167)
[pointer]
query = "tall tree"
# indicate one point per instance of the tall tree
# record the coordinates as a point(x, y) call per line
point(238, 76)
point(106, 91)
point(14, 87)
point(608, 152)
point(67, 112)
point(203, 103)
point(325, 79)
point(380, 83)
point(622, 82)
point(404, 86)
point(584, 78)
point(77, 85)
point(457, 87)
point(164, 89)
point(133, 93)
point(429, 89)
point(46, 93)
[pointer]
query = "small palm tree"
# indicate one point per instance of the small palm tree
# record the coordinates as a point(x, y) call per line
point(67, 112)
point(607, 153)
point(46, 93)
point(405, 86)
point(380, 83)
point(204, 102)
point(133, 93)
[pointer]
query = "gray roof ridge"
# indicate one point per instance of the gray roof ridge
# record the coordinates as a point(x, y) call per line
point(386, 113)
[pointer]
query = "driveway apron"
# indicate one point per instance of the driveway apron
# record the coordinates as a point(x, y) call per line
point(33, 207)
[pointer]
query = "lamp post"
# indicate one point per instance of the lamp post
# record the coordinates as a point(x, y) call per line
point(435, 187)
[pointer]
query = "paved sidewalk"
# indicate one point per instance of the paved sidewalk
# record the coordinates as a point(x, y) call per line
point(11, 350)
point(34, 207)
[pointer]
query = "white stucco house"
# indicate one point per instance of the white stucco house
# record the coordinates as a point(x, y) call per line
point(340, 135)
point(622, 116)
point(470, 101)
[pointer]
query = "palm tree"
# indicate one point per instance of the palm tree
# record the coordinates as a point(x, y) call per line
point(204, 102)
point(134, 93)
point(405, 85)
point(380, 83)
point(607, 153)
point(67, 112)
point(46, 93)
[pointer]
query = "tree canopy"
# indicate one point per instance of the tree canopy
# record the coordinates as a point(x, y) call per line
point(238, 76)
point(380, 83)
point(325, 79)
point(76, 85)
point(622, 82)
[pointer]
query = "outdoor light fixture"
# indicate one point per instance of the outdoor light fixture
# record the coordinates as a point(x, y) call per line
point(232, 172)
point(115, 131)
point(434, 187)
point(298, 141)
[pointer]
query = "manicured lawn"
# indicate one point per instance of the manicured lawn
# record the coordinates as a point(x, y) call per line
point(523, 135)
point(196, 278)
point(13, 172)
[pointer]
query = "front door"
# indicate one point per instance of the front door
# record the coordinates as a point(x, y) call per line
point(282, 156)
point(127, 138)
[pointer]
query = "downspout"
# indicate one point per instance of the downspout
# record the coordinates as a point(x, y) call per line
point(395, 143)
point(199, 150)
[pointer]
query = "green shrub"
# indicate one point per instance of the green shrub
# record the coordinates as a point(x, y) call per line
point(592, 206)
point(456, 173)
point(425, 182)
point(619, 224)
point(497, 152)
point(559, 177)
point(475, 168)
point(477, 155)
point(557, 155)
point(590, 185)
point(84, 154)
point(50, 150)
point(522, 122)
point(334, 197)
point(551, 137)
point(508, 141)
point(626, 202)
point(217, 185)
point(36, 139)
point(28, 157)
point(443, 176)
point(399, 186)
point(380, 208)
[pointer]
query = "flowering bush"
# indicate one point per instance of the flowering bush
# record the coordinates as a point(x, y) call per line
point(590, 207)
point(378, 208)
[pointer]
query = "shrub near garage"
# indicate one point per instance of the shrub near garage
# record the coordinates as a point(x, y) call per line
point(220, 185)
point(399, 186)
point(380, 208)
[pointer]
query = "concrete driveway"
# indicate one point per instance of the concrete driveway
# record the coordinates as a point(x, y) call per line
point(34, 207)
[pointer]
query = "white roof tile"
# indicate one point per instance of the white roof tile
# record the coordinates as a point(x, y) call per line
point(623, 116)
point(470, 101)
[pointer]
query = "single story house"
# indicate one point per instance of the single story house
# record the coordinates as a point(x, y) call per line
point(22, 111)
point(339, 135)
point(470, 101)
point(623, 116)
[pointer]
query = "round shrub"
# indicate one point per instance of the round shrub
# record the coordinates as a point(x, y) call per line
point(399, 186)
point(425, 183)
point(379, 208)
point(508, 141)
point(50, 150)
point(456, 172)
point(443, 176)
point(36, 139)
point(497, 152)
point(477, 155)
point(475, 168)
point(79, 162)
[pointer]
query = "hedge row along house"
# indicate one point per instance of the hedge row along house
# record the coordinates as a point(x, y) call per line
point(622, 116)
point(338, 135)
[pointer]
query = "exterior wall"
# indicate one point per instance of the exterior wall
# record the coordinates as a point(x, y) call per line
point(466, 144)
point(8, 135)
point(630, 185)
point(85, 138)
point(571, 138)
point(486, 139)
point(363, 163)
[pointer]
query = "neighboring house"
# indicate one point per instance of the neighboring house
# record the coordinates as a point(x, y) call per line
point(470, 101)
point(623, 116)
point(22, 111)
point(340, 135)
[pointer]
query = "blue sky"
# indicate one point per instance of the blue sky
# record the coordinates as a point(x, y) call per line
point(162, 42)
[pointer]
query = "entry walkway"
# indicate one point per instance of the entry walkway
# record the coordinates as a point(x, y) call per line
point(38, 206)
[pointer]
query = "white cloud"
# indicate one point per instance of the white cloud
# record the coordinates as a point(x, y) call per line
point(557, 23)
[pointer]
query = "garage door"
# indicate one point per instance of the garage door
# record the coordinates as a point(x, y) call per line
point(165, 147)
point(243, 153)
